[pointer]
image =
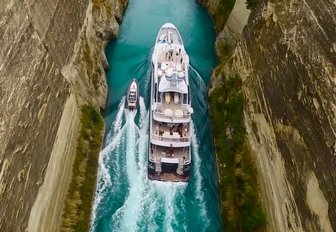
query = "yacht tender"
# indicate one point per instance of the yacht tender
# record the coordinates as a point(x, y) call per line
point(132, 98)
point(169, 155)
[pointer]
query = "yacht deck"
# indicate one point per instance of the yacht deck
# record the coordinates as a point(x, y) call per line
point(174, 133)
point(172, 59)
point(170, 177)
point(171, 112)
point(170, 154)
point(169, 35)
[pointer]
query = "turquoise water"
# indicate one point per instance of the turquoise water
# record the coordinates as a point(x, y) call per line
point(125, 199)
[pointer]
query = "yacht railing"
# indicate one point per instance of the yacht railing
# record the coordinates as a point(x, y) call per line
point(170, 139)
point(185, 115)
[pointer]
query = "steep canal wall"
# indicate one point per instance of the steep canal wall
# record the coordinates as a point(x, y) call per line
point(52, 63)
point(285, 58)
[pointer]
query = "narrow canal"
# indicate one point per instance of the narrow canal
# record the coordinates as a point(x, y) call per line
point(125, 199)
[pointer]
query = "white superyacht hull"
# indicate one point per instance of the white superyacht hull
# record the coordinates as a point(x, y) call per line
point(169, 154)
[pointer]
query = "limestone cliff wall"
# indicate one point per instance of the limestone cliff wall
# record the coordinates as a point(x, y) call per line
point(286, 56)
point(51, 62)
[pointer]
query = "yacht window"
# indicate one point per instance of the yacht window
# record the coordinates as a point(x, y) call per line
point(168, 97)
point(185, 98)
point(159, 97)
point(176, 98)
point(132, 96)
point(155, 92)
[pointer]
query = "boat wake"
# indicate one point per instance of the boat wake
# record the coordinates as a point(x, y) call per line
point(198, 177)
point(126, 200)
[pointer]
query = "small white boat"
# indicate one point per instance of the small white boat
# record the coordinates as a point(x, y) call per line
point(132, 98)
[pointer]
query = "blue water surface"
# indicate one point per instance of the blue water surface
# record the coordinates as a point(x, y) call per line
point(125, 199)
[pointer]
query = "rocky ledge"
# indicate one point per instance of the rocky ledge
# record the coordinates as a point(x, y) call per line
point(51, 62)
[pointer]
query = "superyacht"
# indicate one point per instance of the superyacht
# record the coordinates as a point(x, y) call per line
point(169, 153)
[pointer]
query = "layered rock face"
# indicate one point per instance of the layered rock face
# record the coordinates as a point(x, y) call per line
point(286, 56)
point(51, 62)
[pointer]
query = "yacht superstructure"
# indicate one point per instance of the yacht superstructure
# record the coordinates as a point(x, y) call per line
point(169, 155)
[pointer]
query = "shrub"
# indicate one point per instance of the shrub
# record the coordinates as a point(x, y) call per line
point(239, 192)
point(251, 4)
point(77, 209)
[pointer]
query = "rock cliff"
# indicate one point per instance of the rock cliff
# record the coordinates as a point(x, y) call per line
point(286, 57)
point(51, 62)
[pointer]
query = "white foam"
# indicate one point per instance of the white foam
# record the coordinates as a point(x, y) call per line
point(169, 203)
point(145, 200)
point(200, 80)
point(198, 83)
point(167, 193)
point(143, 110)
point(117, 122)
point(198, 176)
point(104, 181)
point(129, 213)
point(202, 104)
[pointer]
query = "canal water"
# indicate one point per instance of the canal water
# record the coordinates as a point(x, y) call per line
point(125, 199)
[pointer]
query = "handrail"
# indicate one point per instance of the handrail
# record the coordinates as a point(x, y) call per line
point(167, 139)
point(161, 114)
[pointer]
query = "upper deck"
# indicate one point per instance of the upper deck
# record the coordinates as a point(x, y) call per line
point(169, 34)
point(168, 112)
point(169, 155)
point(165, 134)
point(170, 83)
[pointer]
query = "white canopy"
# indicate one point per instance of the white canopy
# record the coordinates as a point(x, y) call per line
point(173, 86)
point(168, 113)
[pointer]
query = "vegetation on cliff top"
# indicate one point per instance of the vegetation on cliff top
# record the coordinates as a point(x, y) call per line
point(220, 13)
point(91, 62)
point(251, 4)
point(77, 208)
point(220, 10)
point(240, 204)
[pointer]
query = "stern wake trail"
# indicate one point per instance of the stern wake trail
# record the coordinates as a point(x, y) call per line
point(117, 122)
point(199, 84)
point(127, 216)
point(128, 213)
point(199, 98)
point(104, 180)
point(168, 194)
point(198, 178)
point(111, 160)
point(134, 202)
